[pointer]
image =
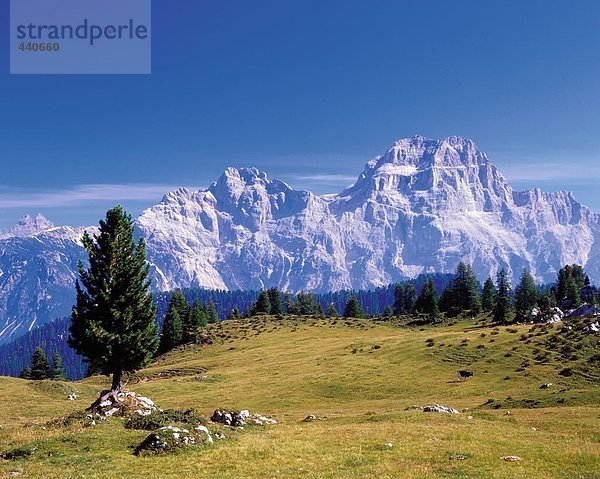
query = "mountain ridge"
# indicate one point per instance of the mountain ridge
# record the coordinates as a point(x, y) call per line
point(420, 207)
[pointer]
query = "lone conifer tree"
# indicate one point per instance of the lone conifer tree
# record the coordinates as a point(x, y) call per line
point(262, 304)
point(502, 307)
point(353, 309)
point(172, 331)
point(525, 295)
point(112, 323)
point(212, 315)
point(58, 373)
point(40, 367)
point(488, 296)
point(427, 302)
point(331, 311)
point(276, 302)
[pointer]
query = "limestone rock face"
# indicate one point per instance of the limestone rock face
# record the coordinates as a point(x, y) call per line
point(422, 206)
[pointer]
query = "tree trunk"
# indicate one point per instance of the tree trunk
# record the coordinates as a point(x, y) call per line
point(116, 381)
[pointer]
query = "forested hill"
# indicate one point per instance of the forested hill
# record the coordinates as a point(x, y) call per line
point(52, 337)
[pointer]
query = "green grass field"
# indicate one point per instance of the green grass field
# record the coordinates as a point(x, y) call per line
point(365, 377)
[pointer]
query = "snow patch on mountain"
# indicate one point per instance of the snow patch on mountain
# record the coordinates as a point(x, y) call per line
point(421, 206)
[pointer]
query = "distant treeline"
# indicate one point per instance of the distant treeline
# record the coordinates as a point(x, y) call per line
point(427, 294)
point(52, 337)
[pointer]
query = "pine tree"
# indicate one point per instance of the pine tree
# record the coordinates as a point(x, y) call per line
point(212, 315)
point(172, 330)
point(410, 298)
point(525, 295)
point(331, 311)
point(405, 297)
point(427, 303)
point(196, 320)
point(502, 307)
point(353, 309)
point(235, 313)
point(399, 299)
point(25, 373)
point(488, 296)
point(179, 303)
point(276, 302)
point(262, 305)
point(112, 323)
point(572, 292)
point(57, 370)
point(464, 290)
point(388, 312)
point(306, 304)
point(40, 367)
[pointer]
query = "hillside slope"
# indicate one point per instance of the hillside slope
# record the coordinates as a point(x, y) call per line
point(364, 377)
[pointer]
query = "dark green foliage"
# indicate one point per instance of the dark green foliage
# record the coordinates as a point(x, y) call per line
point(235, 313)
point(40, 367)
point(262, 304)
point(276, 301)
point(503, 300)
point(332, 312)
point(179, 304)
point(388, 312)
point(172, 332)
point(25, 373)
point(488, 296)
point(571, 278)
point(196, 321)
point(112, 323)
point(427, 302)
point(57, 367)
point(212, 316)
point(572, 292)
point(462, 293)
point(181, 323)
point(305, 304)
point(405, 297)
point(525, 296)
point(353, 309)
point(52, 337)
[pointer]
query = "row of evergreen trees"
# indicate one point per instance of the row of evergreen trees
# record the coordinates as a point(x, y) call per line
point(40, 367)
point(464, 293)
point(183, 321)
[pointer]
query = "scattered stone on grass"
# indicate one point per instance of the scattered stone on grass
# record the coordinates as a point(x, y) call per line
point(545, 385)
point(314, 417)
point(512, 458)
point(459, 456)
point(240, 419)
point(438, 408)
point(171, 438)
point(124, 404)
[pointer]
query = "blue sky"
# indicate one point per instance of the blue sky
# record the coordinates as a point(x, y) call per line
point(308, 91)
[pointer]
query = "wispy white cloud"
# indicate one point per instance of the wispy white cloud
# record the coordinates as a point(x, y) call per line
point(82, 194)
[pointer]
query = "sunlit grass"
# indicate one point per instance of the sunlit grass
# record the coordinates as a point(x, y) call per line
point(364, 377)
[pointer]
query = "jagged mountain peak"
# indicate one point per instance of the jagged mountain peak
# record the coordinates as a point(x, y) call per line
point(28, 225)
point(422, 206)
point(422, 153)
point(420, 166)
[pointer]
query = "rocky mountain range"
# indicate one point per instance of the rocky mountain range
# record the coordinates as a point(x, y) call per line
point(422, 206)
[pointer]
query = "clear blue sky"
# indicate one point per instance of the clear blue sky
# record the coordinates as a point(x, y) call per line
point(308, 91)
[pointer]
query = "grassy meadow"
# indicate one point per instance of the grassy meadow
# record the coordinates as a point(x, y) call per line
point(364, 378)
